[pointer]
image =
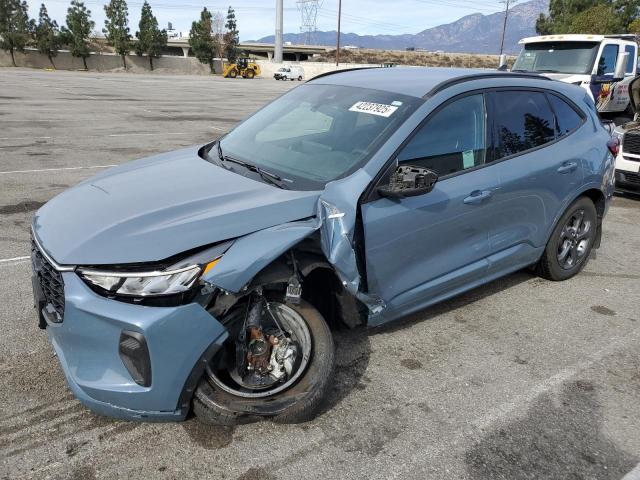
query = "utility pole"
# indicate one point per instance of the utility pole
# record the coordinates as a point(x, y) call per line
point(504, 29)
point(338, 39)
point(277, 54)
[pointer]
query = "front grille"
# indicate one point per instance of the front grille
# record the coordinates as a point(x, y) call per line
point(630, 177)
point(631, 142)
point(50, 281)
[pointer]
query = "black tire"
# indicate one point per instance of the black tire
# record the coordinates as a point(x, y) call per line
point(250, 74)
point(300, 78)
point(550, 265)
point(233, 73)
point(299, 403)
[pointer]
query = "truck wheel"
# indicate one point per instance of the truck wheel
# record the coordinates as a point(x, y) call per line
point(233, 73)
point(568, 249)
point(250, 74)
point(300, 78)
point(290, 388)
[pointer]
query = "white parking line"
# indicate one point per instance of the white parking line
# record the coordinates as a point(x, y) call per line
point(633, 474)
point(14, 260)
point(56, 169)
point(163, 134)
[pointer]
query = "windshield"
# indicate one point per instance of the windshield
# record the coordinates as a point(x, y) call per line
point(318, 133)
point(557, 57)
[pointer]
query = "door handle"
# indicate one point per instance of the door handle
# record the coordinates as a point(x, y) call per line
point(477, 196)
point(567, 167)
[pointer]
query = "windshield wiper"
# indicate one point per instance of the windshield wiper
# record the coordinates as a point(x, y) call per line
point(547, 70)
point(519, 70)
point(269, 177)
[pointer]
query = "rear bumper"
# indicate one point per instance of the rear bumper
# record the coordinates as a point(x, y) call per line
point(179, 340)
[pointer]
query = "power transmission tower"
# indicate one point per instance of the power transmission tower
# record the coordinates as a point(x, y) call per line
point(309, 18)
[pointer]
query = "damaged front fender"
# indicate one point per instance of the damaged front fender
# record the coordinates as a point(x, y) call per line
point(335, 220)
point(251, 253)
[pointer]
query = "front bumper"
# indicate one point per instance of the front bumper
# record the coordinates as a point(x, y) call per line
point(627, 181)
point(180, 341)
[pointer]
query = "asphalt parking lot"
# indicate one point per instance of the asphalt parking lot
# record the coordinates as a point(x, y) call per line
point(519, 379)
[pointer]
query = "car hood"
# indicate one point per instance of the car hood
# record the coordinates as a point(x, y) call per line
point(151, 209)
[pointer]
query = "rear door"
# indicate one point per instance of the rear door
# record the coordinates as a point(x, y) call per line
point(539, 168)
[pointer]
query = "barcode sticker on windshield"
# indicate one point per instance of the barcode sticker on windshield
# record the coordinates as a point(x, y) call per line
point(379, 109)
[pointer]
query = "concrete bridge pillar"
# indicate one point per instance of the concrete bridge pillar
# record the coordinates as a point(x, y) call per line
point(185, 51)
point(269, 55)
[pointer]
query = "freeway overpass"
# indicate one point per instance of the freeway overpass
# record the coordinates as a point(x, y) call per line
point(180, 46)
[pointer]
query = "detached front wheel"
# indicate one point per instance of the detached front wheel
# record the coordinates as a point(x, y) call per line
point(277, 363)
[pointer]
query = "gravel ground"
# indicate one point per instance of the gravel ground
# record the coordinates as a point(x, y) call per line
point(519, 379)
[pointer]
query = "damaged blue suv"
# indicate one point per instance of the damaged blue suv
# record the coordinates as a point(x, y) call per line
point(211, 277)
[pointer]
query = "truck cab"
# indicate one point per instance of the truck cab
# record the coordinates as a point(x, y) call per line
point(603, 65)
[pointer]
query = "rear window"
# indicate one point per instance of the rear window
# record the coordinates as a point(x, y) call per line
point(631, 50)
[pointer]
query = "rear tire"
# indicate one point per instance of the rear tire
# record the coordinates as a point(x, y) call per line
point(299, 403)
point(250, 74)
point(569, 247)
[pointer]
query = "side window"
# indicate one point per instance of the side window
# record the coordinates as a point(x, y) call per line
point(607, 63)
point(631, 50)
point(567, 119)
point(452, 140)
point(523, 120)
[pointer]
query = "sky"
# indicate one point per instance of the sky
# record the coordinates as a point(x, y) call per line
point(256, 18)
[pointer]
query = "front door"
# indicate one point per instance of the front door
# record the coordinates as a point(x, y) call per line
point(420, 249)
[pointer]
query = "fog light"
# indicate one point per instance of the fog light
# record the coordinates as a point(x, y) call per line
point(134, 353)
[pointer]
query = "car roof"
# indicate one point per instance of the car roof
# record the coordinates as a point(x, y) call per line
point(411, 81)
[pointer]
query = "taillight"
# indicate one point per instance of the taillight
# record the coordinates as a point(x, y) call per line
point(614, 145)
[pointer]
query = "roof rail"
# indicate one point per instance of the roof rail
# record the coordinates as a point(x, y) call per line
point(481, 76)
point(623, 36)
point(333, 72)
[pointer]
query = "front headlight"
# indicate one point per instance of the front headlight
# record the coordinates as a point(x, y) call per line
point(144, 284)
point(618, 133)
point(175, 279)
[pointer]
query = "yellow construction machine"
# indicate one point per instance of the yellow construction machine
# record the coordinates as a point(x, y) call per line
point(243, 67)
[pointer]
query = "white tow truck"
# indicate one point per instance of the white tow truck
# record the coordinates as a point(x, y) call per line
point(603, 65)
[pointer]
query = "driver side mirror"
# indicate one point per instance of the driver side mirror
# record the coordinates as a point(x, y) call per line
point(621, 65)
point(409, 181)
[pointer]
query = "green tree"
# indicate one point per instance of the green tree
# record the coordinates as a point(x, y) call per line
point(231, 37)
point(47, 35)
point(151, 40)
point(544, 25)
point(116, 28)
point(599, 19)
point(571, 16)
point(79, 27)
point(202, 40)
point(15, 27)
point(634, 26)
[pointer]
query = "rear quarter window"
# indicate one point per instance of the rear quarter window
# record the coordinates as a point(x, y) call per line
point(567, 119)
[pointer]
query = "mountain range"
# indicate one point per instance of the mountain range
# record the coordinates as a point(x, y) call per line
point(475, 33)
